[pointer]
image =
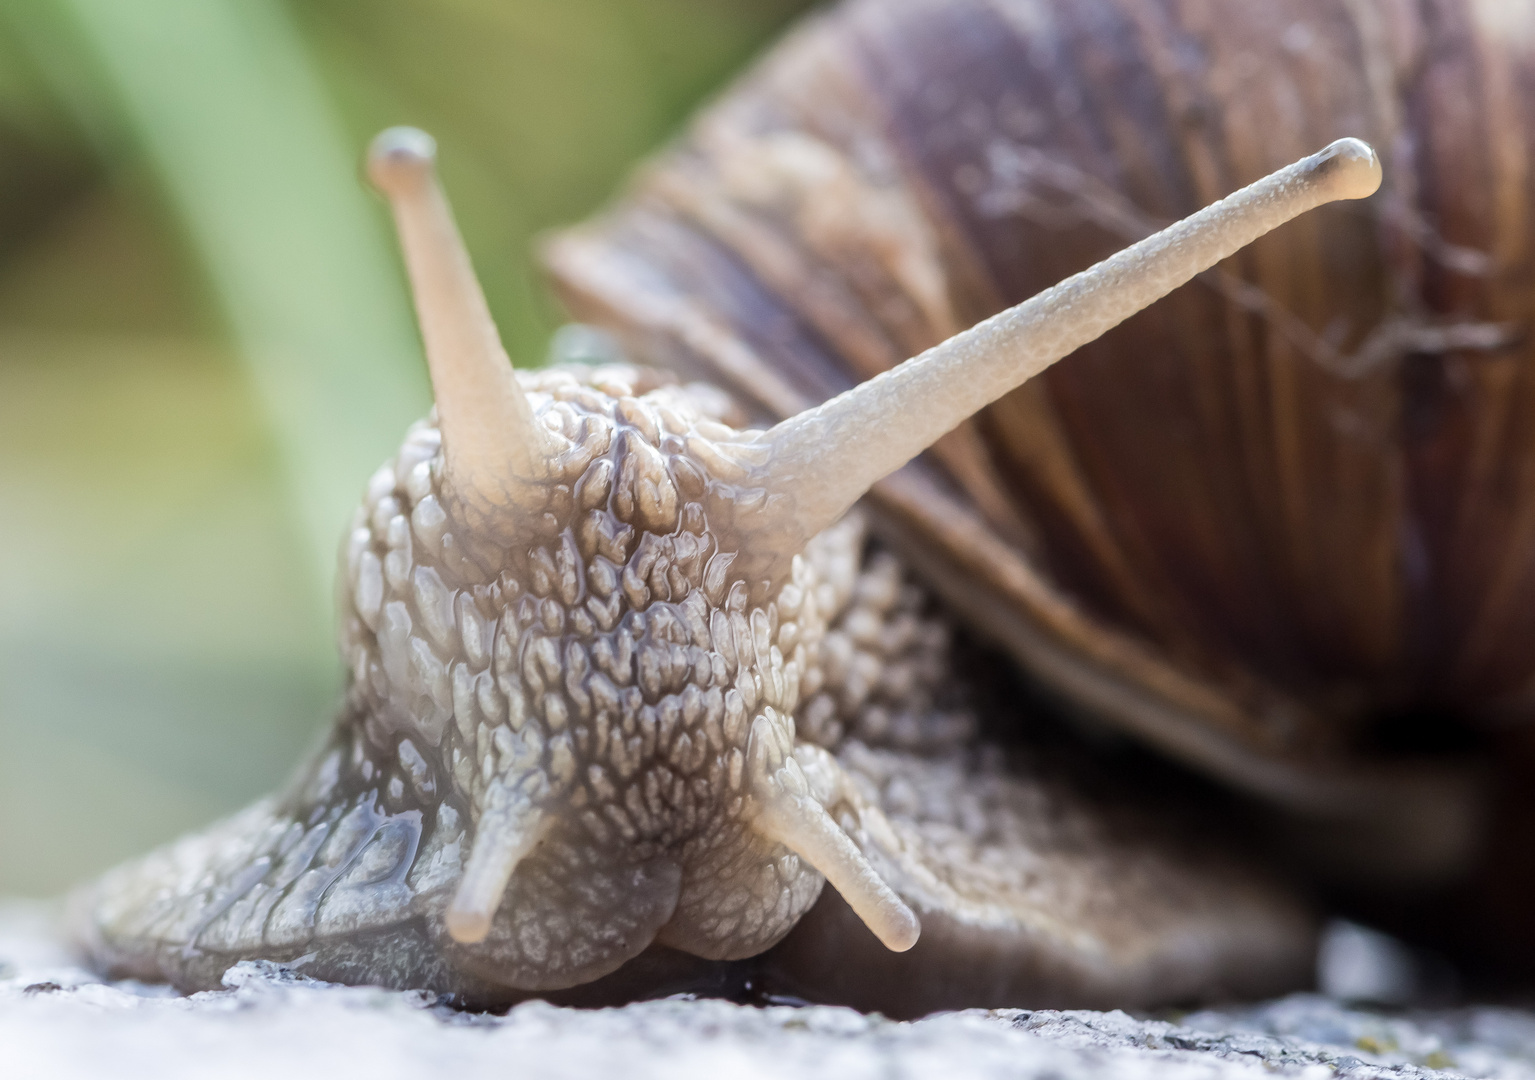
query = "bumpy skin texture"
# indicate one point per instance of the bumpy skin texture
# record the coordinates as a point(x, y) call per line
point(618, 679)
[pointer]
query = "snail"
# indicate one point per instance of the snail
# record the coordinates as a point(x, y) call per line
point(629, 678)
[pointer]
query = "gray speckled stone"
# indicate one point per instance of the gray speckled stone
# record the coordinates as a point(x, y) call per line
point(59, 1022)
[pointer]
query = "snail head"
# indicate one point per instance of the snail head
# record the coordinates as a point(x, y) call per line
point(576, 605)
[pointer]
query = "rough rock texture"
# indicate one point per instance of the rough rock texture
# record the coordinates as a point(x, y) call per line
point(60, 1022)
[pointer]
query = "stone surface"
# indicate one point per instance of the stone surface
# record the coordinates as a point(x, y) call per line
point(57, 1021)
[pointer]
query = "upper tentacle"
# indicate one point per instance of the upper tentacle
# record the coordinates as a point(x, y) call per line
point(492, 446)
point(825, 458)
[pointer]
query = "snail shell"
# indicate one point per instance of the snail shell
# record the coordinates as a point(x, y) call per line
point(1257, 524)
point(628, 684)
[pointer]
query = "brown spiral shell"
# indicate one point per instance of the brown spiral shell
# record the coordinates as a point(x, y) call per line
point(1258, 523)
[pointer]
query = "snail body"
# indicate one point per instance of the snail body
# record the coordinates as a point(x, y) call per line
point(350, 874)
point(626, 684)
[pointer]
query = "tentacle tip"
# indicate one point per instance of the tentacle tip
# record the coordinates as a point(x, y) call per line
point(1350, 167)
point(902, 931)
point(467, 927)
point(400, 157)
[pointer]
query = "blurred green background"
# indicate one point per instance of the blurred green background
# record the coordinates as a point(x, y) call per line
point(205, 348)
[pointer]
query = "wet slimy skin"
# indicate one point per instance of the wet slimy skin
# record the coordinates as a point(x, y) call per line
point(628, 685)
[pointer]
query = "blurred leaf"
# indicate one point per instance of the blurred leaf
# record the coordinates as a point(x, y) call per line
point(221, 97)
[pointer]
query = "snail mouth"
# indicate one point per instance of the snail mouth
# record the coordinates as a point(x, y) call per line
point(569, 915)
point(541, 906)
